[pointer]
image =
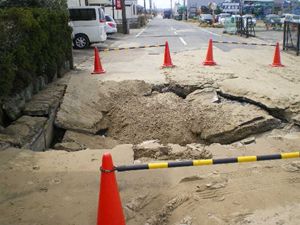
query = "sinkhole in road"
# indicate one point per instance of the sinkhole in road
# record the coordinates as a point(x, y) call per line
point(134, 111)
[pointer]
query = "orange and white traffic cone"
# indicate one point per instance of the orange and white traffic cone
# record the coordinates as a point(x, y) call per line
point(97, 63)
point(209, 61)
point(167, 57)
point(277, 60)
point(110, 210)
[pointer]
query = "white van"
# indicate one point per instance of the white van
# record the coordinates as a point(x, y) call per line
point(88, 24)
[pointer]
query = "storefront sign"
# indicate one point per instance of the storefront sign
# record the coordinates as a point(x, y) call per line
point(118, 4)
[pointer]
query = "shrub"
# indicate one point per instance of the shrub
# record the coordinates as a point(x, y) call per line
point(35, 41)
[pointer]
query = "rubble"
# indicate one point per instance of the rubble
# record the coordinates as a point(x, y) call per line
point(75, 141)
point(85, 109)
point(26, 132)
point(155, 150)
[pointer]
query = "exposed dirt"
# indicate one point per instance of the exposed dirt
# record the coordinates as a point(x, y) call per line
point(134, 111)
point(161, 116)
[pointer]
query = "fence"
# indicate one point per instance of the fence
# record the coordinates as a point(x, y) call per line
point(245, 27)
point(291, 36)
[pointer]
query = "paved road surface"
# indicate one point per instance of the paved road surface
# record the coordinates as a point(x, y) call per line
point(182, 36)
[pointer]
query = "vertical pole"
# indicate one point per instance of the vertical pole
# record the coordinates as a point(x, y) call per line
point(171, 9)
point(298, 42)
point(241, 7)
point(284, 34)
point(113, 8)
point(145, 9)
point(150, 6)
point(124, 19)
point(184, 13)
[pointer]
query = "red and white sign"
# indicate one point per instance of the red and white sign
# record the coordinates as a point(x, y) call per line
point(118, 4)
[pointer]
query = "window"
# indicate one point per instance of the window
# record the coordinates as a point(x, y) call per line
point(108, 18)
point(101, 14)
point(82, 14)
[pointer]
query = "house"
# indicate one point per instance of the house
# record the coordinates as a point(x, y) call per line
point(131, 9)
point(195, 5)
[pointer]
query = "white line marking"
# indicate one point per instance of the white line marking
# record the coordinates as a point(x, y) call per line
point(182, 40)
point(142, 31)
point(210, 32)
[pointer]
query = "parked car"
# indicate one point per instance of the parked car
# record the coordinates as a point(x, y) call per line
point(286, 17)
point(88, 24)
point(111, 25)
point(272, 20)
point(206, 18)
point(296, 19)
point(222, 17)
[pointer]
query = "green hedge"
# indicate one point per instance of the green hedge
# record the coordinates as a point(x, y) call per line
point(34, 42)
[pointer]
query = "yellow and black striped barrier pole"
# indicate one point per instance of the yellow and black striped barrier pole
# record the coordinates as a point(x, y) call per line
point(204, 162)
point(130, 48)
point(243, 43)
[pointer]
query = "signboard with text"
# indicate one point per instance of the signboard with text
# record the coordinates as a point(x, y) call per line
point(231, 7)
point(118, 4)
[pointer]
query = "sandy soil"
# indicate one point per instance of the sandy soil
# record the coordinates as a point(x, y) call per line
point(57, 187)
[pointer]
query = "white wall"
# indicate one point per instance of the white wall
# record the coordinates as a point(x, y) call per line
point(74, 3)
point(102, 2)
point(131, 12)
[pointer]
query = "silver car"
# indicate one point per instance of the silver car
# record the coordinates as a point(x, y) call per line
point(110, 26)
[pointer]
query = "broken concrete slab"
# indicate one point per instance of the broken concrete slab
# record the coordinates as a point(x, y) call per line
point(46, 101)
point(26, 132)
point(203, 96)
point(90, 141)
point(84, 109)
point(151, 149)
point(155, 150)
point(226, 121)
point(69, 146)
point(280, 96)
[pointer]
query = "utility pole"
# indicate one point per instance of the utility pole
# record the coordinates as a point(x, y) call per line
point(171, 8)
point(145, 9)
point(124, 19)
point(184, 13)
point(113, 8)
point(150, 6)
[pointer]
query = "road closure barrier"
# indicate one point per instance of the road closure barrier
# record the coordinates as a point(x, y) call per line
point(110, 211)
point(205, 162)
point(130, 48)
point(243, 43)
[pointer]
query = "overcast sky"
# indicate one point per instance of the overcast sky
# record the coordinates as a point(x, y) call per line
point(159, 3)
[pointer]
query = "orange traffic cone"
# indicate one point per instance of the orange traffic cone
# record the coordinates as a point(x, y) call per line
point(277, 60)
point(97, 63)
point(110, 210)
point(209, 61)
point(167, 58)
